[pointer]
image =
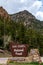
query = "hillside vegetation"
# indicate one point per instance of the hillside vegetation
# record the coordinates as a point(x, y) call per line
point(24, 28)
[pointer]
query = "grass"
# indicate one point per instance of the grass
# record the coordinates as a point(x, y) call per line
point(24, 63)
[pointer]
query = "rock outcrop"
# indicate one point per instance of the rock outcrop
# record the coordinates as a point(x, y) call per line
point(34, 55)
point(3, 13)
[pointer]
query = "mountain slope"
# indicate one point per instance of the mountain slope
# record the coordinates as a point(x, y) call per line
point(24, 16)
point(28, 19)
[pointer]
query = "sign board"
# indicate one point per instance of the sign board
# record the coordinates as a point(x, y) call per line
point(19, 50)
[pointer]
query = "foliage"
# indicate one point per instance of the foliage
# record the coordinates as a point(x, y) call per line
point(22, 34)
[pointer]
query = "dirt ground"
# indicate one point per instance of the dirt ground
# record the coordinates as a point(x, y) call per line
point(5, 54)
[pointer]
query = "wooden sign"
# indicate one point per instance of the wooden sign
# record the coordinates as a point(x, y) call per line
point(19, 50)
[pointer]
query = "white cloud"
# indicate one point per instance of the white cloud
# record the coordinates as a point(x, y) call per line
point(16, 5)
point(2, 2)
point(22, 1)
point(39, 15)
point(35, 7)
point(35, 10)
point(13, 6)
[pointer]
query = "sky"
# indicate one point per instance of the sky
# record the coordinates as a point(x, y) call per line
point(33, 6)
